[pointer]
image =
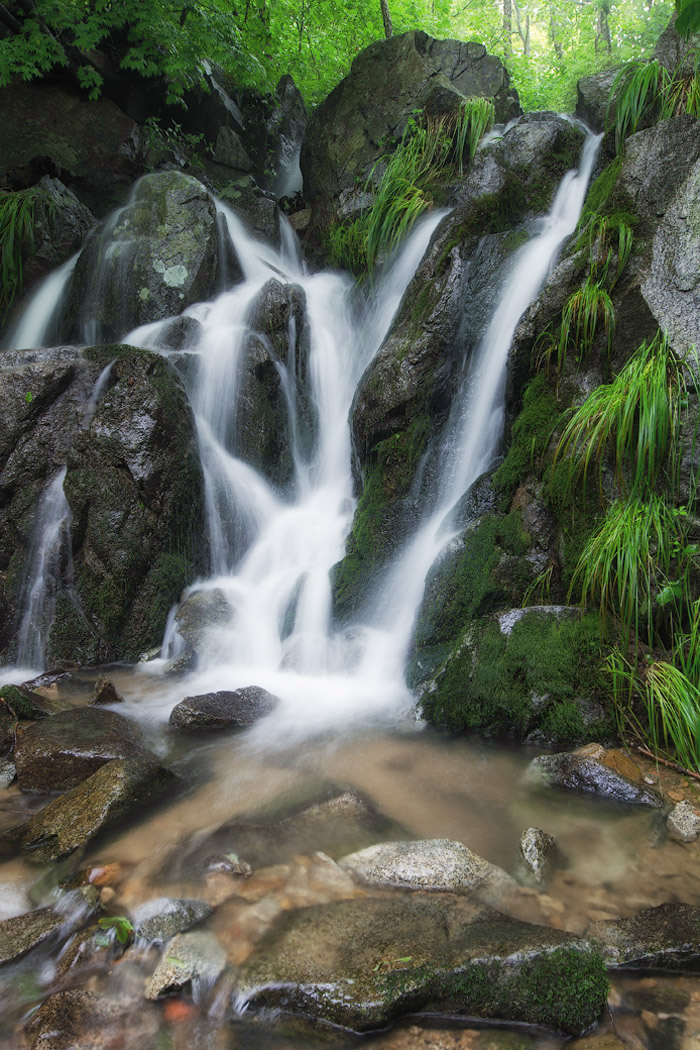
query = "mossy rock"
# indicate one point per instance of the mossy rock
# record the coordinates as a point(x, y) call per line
point(360, 964)
point(539, 679)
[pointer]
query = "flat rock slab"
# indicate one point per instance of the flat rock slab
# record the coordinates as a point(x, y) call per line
point(77, 1020)
point(430, 864)
point(115, 790)
point(594, 770)
point(196, 954)
point(362, 963)
point(162, 918)
point(223, 710)
point(21, 933)
point(58, 753)
point(663, 938)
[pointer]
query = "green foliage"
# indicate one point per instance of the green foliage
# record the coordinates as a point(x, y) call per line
point(114, 928)
point(644, 92)
point(688, 20)
point(16, 238)
point(430, 150)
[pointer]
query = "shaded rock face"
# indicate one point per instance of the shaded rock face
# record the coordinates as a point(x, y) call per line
point(361, 963)
point(133, 484)
point(60, 752)
point(150, 260)
point(50, 129)
point(223, 710)
point(388, 81)
point(286, 127)
point(404, 397)
point(592, 98)
point(118, 788)
point(61, 224)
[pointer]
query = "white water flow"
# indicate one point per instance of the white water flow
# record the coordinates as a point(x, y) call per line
point(36, 326)
point(49, 565)
point(272, 550)
point(476, 427)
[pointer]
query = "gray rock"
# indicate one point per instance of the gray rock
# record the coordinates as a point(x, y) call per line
point(540, 853)
point(21, 933)
point(362, 963)
point(592, 97)
point(147, 262)
point(8, 772)
point(162, 918)
point(286, 127)
point(432, 864)
point(80, 1020)
point(195, 617)
point(663, 938)
point(586, 770)
point(27, 704)
point(8, 728)
point(59, 752)
point(187, 957)
point(117, 789)
point(231, 151)
point(224, 710)
point(683, 822)
point(672, 50)
point(105, 692)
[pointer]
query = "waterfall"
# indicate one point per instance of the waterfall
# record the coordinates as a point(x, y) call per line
point(39, 321)
point(50, 565)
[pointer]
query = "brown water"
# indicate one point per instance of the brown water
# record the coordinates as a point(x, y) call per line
point(422, 785)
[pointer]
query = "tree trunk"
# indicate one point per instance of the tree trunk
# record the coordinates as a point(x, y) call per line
point(554, 33)
point(507, 26)
point(524, 34)
point(386, 18)
point(602, 33)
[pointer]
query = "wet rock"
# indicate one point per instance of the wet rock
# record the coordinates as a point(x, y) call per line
point(21, 933)
point(8, 772)
point(286, 127)
point(229, 864)
point(117, 789)
point(61, 224)
point(230, 151)
point(79, 1020)
point(88, 948)
point(362, 963)
point(595, 770)
point(432, 864)
point(187, 957)
point(27, 704)
point(148, 262)
point(540, 853)
point(224, 710)
point(60, 752)
point(387, 82)
point(663, 938)
point(8, 726)
point(276, 367)
point(105, 692)
point(195, 618)
point(683, 822)
point(160, 919)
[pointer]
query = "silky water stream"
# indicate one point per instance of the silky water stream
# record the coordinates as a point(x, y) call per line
point(345, 717)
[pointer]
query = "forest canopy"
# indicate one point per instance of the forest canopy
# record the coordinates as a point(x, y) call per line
point(547, 44)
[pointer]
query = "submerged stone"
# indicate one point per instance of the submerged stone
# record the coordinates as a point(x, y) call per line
point(21, 933)
point(362, 963)
point(115, 790)
point(663, 938)
point(594, 770)
point(432, 864)
point(162, 918)
point(60, 752)
point(80, 1020)
point(223, 710)
point(540, 853)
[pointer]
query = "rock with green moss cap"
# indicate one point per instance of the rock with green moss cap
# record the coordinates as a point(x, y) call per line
point(362, 963)
point(663, 938)
point(116, 790)
point(27, 704)
point(152, 259)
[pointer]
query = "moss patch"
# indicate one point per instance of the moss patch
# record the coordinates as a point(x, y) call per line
point(512, 685)
point(530, 436)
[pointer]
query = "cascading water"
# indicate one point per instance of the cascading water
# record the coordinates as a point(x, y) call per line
point(38, 324)
point(49, 564)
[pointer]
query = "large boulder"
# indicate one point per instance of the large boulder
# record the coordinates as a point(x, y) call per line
point(117, 789)
point(233, 709)
point(592, 769)
point(52, 129)
point(61, 224)
point(148, 261)
point(60, 752)
point(361, 963)
point(663, 938)
point(387, 82)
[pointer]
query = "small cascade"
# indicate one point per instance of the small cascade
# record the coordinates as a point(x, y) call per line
point(50, 567)
point(38, 325)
